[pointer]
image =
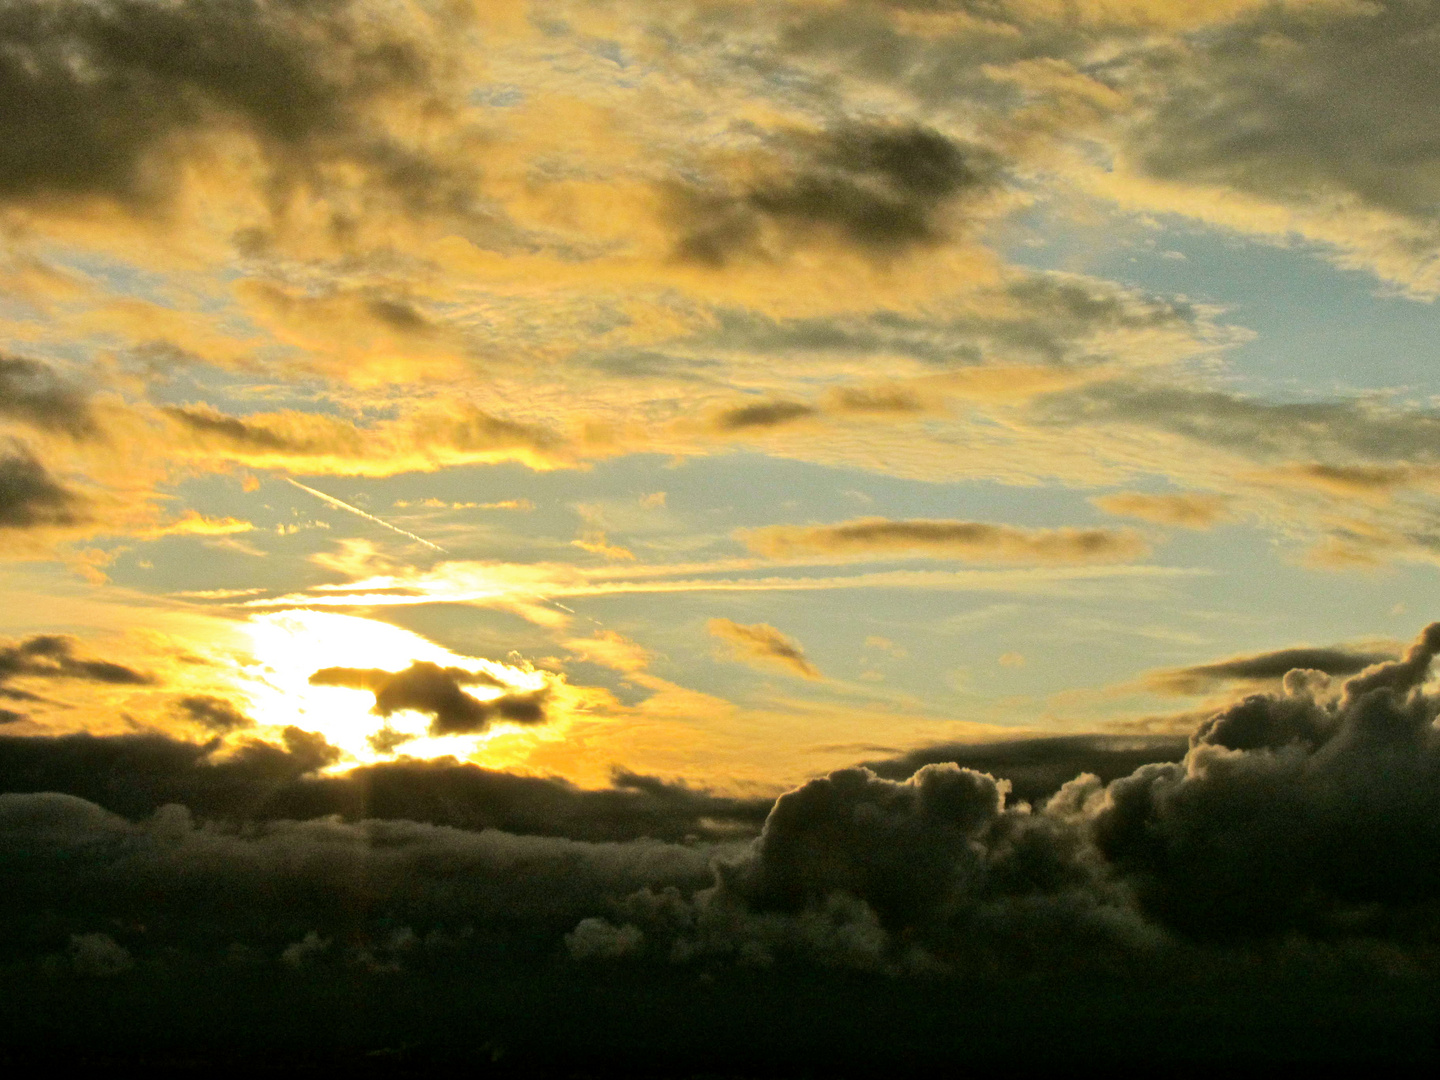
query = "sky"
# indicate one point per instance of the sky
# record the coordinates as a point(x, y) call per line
point(906, 487)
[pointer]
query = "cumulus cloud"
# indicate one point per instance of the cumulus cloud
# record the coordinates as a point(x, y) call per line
point(878, 537)
point(1291, 811)
point(1297, 812)
point(1036, 768)
point(1294, 812)
point(765, 644)
point(429, 688)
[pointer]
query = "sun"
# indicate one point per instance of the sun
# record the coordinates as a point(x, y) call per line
point(289, 646)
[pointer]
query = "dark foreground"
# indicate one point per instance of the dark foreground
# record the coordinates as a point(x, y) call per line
point(566, 1021)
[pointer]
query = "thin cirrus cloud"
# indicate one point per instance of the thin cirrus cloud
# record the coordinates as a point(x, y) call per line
point(1189, 510)
point(763, 645)
point(981, 541)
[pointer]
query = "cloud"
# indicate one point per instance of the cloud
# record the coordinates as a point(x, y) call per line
point(428, 688)
point(32, 392)
point(1202, 678)
point(132, 90)
point(315, 443)
point(273, 882)
point(1297, 818)
point(252, 781)
point(1315, 109)
point(1291, 812)
point(214, 714)
point(1036, 768)
point(764, 643)
point(52, 656)
point(878, 188)
point(763, 414)
point(31, 498)
point(1188, 511)
point(1357, 433)
point(877, 537)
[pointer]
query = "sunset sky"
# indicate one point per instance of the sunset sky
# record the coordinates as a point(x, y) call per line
point(710, 395)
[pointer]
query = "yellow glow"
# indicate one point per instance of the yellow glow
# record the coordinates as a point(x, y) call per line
point(290, 646)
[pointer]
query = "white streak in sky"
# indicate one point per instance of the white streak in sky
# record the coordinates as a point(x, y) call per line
point(339, 505)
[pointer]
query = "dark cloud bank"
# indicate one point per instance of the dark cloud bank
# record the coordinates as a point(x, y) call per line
point(1269, 888)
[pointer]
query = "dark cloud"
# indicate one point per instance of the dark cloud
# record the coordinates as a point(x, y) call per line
point(32, 392)
point(1358, 432)
point(1291, 812)
point(429, 688)
point(763, 414)
point(1202, 678)
point(205, 421)
point(135, 775)
point(1308, 107)
point(213, 713)
point(886, 538)
point(1037, 768)
point(1287, 855)
point(51, 656)
point(30, 497)
point(102, 96)
point(881, 189)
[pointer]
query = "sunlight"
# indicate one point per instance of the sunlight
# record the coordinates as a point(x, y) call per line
point(290, 646)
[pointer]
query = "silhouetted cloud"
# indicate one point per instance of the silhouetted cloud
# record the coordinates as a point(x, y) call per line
point(135, 775)
point(52, 656)
point(428, 688)
point(1036, 768)
point(762, 642)
point(885, 538)
point(213, 713)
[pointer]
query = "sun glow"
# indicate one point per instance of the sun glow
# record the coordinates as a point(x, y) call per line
point(290, 646)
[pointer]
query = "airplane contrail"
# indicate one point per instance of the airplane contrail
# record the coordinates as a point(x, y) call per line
point(340, 505)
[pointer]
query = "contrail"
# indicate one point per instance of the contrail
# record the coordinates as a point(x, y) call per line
point(361, 513)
